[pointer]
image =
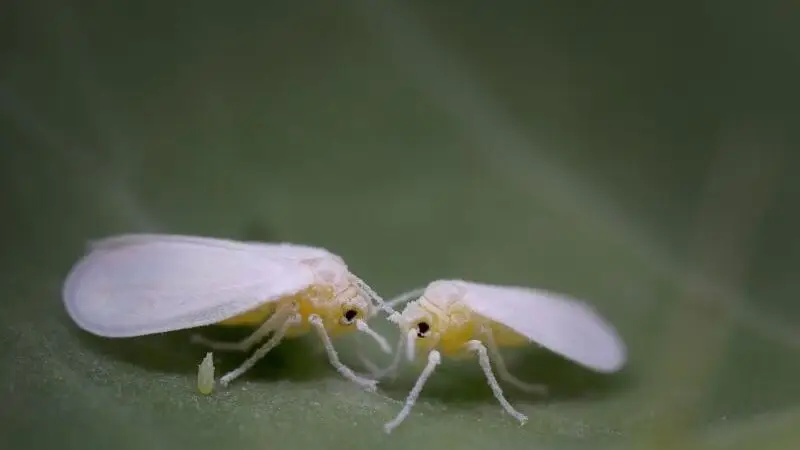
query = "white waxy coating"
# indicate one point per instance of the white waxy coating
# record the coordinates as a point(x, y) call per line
point(273, 250)
point(134, 285)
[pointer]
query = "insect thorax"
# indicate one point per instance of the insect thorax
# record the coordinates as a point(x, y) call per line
point(253, 317)
point(334, 292)
point(452, 323)
point(324, 300)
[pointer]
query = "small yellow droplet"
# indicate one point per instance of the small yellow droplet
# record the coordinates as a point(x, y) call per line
point(205, 375)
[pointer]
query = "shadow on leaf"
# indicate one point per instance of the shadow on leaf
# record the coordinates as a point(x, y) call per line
point(463, 382)
point(294, 359)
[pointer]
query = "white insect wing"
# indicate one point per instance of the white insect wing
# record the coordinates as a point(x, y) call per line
point(563, 325)
point(143, 284)
point(297, 252)
point(273, 250)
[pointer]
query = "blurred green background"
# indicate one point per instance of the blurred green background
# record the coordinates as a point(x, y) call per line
point(639, 155)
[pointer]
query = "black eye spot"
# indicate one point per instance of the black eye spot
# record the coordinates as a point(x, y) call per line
point(350, 314)
point(422, 329)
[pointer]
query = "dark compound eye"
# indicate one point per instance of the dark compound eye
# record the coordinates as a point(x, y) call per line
point(422, 329)
point(350, 314)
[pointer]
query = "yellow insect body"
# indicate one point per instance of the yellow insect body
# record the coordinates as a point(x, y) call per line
point(335, 305)
point(452, 324)
point(254, 317)
point(320, 300)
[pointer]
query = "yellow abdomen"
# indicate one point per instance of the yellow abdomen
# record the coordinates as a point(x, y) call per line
point(258, 315)
point(252, 318)
point(506, 337)
point(453, 340)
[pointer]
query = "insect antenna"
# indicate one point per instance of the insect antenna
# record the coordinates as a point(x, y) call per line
point(377, 300)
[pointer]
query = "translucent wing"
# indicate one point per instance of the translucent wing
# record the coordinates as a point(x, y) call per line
point(274, 250)
point(563, 325)
point(135, 286)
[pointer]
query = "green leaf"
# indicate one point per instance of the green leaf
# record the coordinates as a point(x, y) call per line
point(600, 154)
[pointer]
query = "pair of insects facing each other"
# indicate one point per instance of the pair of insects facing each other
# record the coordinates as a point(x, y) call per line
point(134, 285)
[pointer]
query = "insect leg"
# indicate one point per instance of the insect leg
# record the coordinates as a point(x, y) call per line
point(483, 359)
point(405, 297)
point(364, 328)
point(263, 350)
point(381, 304)
point(411, 342)
point(364, 360)
point(345, 371)
point(392, 368)
point(269, 325)
point(503, 372)
point(434, 358)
